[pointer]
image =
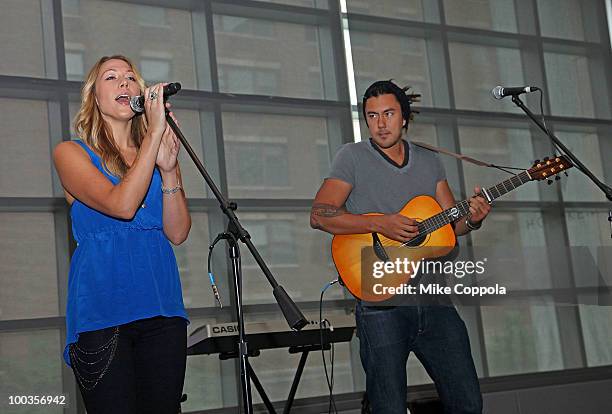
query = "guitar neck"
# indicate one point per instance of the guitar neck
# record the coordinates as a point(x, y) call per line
point(462, 208)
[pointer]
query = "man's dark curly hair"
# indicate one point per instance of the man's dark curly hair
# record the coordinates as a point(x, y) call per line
point(405, 99)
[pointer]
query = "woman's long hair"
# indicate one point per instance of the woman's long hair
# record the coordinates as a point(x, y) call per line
point(91, 127)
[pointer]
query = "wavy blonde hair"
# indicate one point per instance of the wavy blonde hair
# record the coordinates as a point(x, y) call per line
point(91, 127)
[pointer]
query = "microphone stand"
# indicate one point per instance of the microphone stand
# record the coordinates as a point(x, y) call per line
point(233, 234)
point(603, 187)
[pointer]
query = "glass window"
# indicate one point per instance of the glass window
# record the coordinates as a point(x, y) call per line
point(107, 28)
point(510, 147)
point(203, 384)
point(586, 146)
point(323, 158)
point(586, 227)
point(589, 228)
point(75, 68)
point(482, 14)
point(561, 18)
point(298, 256)
point(259, 81)
point(28, 288)
point(191, 124)
point(272, 156)
point(25, 159)
point(569, 85)
point(274, 240)
point(266, 57)
point(31, 364)
point(415, 371)
point(258, 164)
point(403, 59)
point(155, 70)
point(204, 373)
point(521, 339)
point(476, 69)
point(152, 16)
point(303, 3)
point(596, 322)
point(244, 26)
point(22, 39)
point(192, 259)
point(514, 243)
point(397, 9)
point(71, 7)
point(422, 131)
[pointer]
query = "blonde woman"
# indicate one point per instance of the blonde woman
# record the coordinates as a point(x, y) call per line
point(125, 318)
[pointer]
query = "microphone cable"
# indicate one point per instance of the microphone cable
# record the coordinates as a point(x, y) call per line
point(329, 377)
point(211, 276)
point(561, 152)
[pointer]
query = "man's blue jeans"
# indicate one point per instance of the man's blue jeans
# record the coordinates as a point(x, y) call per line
point(439, 339)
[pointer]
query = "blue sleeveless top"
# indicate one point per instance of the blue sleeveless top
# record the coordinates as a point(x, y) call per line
point(121, 270)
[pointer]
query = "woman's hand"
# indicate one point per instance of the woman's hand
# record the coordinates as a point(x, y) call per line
point(154, 110)
point(167, 156)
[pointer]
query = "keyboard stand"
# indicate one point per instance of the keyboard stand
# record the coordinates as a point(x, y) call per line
point(304, 350)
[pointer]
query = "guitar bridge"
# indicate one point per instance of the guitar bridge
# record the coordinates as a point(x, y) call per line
point(379, 249)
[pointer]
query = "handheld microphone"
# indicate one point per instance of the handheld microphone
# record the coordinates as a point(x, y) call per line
point(500, 92)
point(137, 102)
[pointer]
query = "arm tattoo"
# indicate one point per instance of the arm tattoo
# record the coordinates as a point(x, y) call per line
point(327, 210)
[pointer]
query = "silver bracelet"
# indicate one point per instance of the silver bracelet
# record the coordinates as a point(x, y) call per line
point(171, 190)
point(471, 226)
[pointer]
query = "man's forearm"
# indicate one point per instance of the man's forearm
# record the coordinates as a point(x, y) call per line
point(336, 220)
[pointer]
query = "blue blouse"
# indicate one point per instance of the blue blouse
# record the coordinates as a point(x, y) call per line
point(121, 270)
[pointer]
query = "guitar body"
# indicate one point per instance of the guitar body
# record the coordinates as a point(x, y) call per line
point(347, 250)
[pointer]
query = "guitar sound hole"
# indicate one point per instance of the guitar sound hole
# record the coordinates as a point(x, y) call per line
point(417, 241)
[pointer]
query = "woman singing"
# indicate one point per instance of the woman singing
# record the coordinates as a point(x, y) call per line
point(125, 318)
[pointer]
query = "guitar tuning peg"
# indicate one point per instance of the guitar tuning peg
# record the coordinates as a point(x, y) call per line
point(549, 181)
point(557, 178)
point(566, 174)
point(545, 158)
point(536, 161)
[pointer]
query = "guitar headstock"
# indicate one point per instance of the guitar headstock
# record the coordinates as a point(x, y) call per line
point(549, 167)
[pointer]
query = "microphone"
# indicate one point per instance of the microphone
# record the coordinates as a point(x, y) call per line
point(137, 102)
point(500, 92)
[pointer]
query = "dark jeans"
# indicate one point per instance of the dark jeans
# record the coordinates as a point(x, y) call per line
point(138, 367)
point(437, 336)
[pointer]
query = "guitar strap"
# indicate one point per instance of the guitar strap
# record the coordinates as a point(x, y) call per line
point(452, 154)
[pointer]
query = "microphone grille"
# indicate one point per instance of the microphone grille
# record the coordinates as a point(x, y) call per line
point(174, 87)
point(136, 105)
point(497, 92)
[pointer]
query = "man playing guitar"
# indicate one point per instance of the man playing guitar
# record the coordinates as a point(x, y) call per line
point(380, 175)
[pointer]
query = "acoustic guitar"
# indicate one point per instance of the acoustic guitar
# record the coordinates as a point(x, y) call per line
point(436, 237)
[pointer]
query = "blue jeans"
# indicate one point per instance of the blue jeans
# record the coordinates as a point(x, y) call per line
point(437, 336)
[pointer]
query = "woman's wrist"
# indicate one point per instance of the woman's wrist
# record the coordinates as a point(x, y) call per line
point(170, 178)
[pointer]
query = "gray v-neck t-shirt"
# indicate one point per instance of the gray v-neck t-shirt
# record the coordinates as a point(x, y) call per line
point(381, 186)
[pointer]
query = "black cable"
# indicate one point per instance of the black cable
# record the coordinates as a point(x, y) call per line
point(211, 276)
point(544, 121)
point(329, 378)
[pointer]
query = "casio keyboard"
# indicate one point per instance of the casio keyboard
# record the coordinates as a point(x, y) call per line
point(222, 339)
